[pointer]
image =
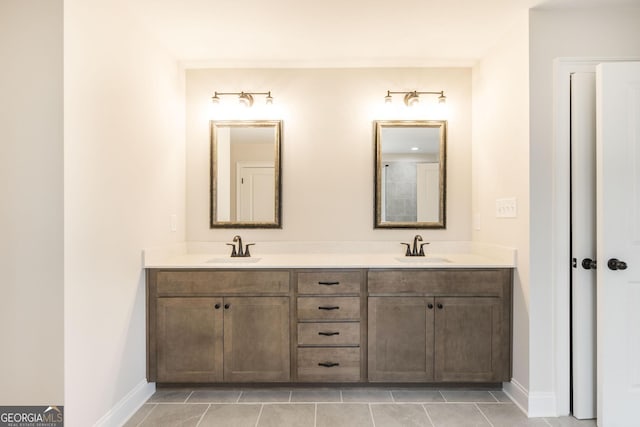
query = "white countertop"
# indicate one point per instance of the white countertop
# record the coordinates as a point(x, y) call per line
point(330, 255)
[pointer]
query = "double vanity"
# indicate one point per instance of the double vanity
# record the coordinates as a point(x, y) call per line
point(329, 313)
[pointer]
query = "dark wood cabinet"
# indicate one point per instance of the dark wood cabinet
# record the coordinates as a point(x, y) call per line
point(333, 325)
point(194, 337)
point(429, 326)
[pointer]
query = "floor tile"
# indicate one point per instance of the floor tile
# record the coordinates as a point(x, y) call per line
point(508, 415)
point(316, 395)
point(343, 415)
point(214, 396)
point(170, 396)
point(231, 415)
point(420, 396)
point(501, 396)
point(455, 415)
point(175, 415)
point(570, 422)
point(468, 396)
point(399, 415)
point(265, 396)
point(366, 395)
point(287, 415)
point(140, 415)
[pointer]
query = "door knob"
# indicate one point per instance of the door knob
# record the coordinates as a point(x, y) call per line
point(616, 264)
point(588, 264)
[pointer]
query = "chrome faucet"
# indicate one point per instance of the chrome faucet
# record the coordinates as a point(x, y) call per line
point(416, 250)
point(239, 251)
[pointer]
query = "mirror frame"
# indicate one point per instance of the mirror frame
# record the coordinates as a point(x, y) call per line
point(378, 126)
point(277, 222)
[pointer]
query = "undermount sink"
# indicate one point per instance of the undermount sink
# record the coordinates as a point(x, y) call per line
point(422, 260)
point(234, 260)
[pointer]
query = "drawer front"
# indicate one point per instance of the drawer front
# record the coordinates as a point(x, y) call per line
point(329, 282)
point(208, 282)
point(328, 308)
point(484, 282)
point(329, 364)
point(329, 333)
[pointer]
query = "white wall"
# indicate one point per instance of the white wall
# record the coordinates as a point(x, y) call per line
point(31, 195)
point(500, 164)
point(124, 176)
point(328, 155)
point(591, 32)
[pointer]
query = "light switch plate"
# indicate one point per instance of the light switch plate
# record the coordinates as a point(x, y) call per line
point(506, 208)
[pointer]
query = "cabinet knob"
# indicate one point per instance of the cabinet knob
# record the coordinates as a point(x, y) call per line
point(430, 306)
point(217, 306)
point(227, 306)
point(440, 306)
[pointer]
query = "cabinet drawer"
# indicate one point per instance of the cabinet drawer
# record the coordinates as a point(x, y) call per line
point(329, 333)
point(329, 364)
point(329, 282)
point(439, 282)
point(328, 308)
point(211, 282)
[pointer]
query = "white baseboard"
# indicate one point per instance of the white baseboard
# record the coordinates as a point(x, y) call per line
point(518, 394)
point(128, 405)
point(536, 404)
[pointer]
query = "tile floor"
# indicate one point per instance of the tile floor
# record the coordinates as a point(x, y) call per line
point(334, 407)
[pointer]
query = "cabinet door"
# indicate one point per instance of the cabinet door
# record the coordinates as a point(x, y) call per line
point(189, 339)
point(400, 339)
point(469, 339)
point(256, 339)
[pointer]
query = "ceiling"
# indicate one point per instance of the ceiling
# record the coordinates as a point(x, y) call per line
point(335, 33)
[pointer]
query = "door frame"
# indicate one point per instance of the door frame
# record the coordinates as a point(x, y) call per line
point(243, 164)
point(561, 244)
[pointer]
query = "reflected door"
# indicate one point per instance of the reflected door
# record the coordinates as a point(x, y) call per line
point(256, 193)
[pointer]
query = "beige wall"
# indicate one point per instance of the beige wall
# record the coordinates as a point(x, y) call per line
point(500, 164)
point(327, 151)
point(31, 195)
point(124, 178)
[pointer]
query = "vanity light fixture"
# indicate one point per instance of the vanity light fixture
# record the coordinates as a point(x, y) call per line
point(244, 98)
point(413, 97)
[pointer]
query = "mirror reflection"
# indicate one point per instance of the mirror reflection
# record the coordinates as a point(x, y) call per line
point(245, 174)
point(410, 174)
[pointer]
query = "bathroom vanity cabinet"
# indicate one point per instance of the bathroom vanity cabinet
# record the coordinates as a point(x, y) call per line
point(330, 310)
point(439, 325)
point(329, 325)
point(218, 326)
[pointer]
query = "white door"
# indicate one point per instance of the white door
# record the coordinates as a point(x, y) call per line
point(256, 193)
point(428, 192)
point(583, 244)
point(618, 237)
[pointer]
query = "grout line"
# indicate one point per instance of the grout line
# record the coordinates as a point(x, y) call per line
point(494, 396)
point(427, 412)
point(547, 421)
point(147, 416)
point(259, 415)
point(185, 401)
point(315, 414)
point(443, 398)
point(290, 395)
point(484, 415)
point(371, 414)
point(341, 398)
point(203, 414)
point(239, 396)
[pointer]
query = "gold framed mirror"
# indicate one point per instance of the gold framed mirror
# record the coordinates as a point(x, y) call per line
point(246, 173)
point(410, 173)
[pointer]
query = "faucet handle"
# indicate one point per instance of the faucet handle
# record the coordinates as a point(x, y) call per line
point(408, 245)
point(246, 249)
point(233, 251)
point(422, 249)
